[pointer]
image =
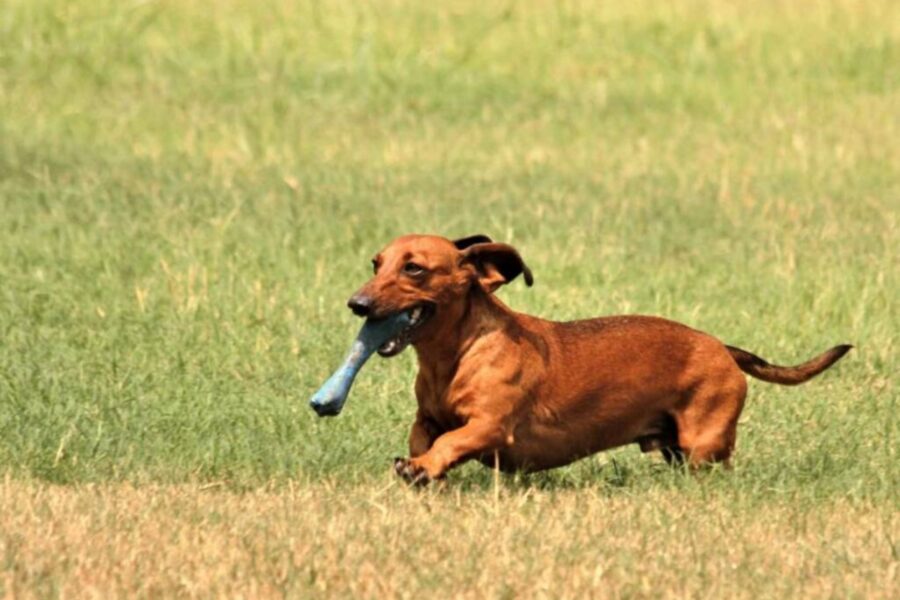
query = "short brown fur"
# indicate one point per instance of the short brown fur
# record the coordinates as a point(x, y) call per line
point(539, 394)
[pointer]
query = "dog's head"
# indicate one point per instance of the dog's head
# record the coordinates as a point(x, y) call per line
point(429, 277)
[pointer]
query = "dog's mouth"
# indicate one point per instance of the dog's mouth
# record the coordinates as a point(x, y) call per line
point(418, 316)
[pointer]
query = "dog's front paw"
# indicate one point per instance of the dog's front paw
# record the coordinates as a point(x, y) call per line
point(410, 472)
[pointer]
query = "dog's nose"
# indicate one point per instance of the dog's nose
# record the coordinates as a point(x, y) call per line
point(360, 304)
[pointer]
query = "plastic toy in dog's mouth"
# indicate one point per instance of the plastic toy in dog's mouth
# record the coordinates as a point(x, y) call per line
point(418, 315)
point(388, 336)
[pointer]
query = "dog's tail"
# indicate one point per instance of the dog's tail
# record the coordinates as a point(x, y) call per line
point(759, 368)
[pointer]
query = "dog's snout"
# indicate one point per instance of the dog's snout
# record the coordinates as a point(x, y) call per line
point(360, 304)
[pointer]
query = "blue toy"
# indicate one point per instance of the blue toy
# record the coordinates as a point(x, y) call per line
point(330, 398)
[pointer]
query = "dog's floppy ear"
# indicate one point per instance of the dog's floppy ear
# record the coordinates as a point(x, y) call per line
point(495, 264)
point(463, 243)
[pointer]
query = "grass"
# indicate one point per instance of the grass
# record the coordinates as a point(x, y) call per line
point(189, 192)
point(392, 542)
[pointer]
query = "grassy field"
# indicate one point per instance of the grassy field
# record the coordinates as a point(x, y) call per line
point(189, 191)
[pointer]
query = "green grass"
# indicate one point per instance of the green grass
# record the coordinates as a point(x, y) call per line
point(189, 191)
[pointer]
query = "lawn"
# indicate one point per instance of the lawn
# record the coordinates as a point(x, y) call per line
point(189, 192)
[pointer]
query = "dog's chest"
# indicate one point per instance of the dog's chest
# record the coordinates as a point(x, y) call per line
point(436, 399)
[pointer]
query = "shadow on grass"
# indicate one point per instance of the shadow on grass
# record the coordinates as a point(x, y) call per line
point(612, 476)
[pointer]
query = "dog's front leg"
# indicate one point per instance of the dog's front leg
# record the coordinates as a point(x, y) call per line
point(475, 437)
point(422, 435)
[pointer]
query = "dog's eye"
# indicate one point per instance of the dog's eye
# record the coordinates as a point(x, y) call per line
point(413, 269)
point(374, 266)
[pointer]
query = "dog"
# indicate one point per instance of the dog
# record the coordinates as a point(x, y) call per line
point(529, 394)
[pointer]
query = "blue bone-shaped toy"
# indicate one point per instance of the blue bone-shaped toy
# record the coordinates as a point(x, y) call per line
point(330, 398)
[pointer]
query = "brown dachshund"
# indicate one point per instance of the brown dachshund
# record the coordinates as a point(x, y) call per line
point(494, 384)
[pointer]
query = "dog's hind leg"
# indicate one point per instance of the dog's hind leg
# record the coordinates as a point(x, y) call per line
point(707, 425)
point(663, 436)
point(673, 455)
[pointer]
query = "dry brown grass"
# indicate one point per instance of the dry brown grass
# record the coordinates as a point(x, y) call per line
point(119, 540)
